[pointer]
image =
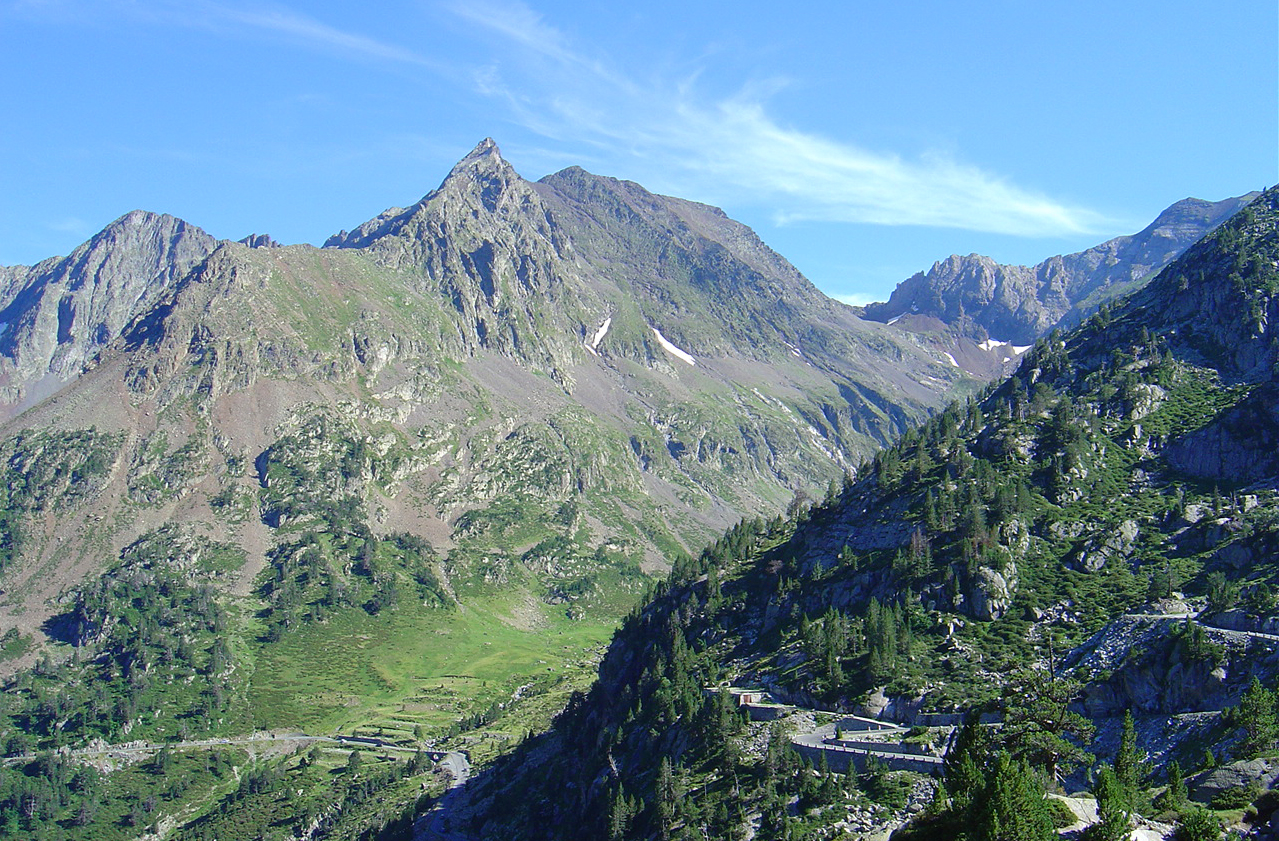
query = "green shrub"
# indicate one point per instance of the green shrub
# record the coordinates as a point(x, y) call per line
point(1198, 824)
point(1060, 813)
point(1235, 797)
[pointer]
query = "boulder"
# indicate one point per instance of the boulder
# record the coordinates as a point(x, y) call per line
point(1208, 784)
point(1237, 555)
point(874, 704)
point(1119, 542)
point(992, 592)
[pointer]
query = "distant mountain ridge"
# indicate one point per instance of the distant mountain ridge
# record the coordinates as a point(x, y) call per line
point(678, 261)
point(1020, 304)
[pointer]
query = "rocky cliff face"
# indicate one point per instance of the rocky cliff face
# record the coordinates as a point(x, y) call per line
point(1217, 305)
point(485, 243)
point(59, 315)
point(1022, 303)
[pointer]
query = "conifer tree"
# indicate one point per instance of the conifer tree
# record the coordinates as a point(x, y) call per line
point(666, 798)
point(1113, 810)
point(1012, 806)
point(962, 772)
point(1174, 797)
point(1256, 714)
point(619, 816)
point(881, 641)
point(1039, 725)
point(1130, 768)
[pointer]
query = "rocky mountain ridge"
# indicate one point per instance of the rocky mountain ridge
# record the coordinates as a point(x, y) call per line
point(1020, 304)
point(503, 364)
point(58, 315)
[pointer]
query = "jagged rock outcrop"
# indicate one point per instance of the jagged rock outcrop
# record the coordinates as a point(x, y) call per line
point(486, 244)
point(1019, 304)
point(259, 241)
point(1110, 546)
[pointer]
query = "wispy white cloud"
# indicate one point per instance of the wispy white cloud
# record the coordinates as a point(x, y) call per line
point(518, 23)
point(227, 18)
point(309, 31)
point(728, 149)
point(735, 144)
point(823, 179)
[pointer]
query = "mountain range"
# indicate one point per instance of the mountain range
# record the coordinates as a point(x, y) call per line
point(639, 370)
point(1021, 304)
point(396, 488)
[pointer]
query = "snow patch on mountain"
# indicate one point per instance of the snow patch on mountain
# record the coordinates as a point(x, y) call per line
point(671, 349)
point(594, 346)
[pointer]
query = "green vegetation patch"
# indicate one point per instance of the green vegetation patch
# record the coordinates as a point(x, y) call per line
point(43, 470)
point(355, 668)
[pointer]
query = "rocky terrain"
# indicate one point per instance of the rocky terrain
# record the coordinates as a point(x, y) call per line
point(402, 487)
point(1020, 304)
point(56, 317)
point(403, 484)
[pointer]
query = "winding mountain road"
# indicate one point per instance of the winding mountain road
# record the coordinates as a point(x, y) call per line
point(1194, 618)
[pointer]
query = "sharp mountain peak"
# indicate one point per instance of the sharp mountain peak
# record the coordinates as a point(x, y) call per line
point(485, 152)
point(58, 314)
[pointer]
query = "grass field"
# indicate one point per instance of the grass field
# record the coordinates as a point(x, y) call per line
point(419, 666)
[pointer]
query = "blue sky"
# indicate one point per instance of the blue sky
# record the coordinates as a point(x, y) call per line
point(861, 140)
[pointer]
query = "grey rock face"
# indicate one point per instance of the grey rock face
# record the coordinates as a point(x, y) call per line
point(992, 592)
point(1240, 774)
point(1240, 446)
point(60, 313)
point(259, 241)
point(1215, 308)
point(1109, 545)
point(1022, 303)
point(485, 242)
